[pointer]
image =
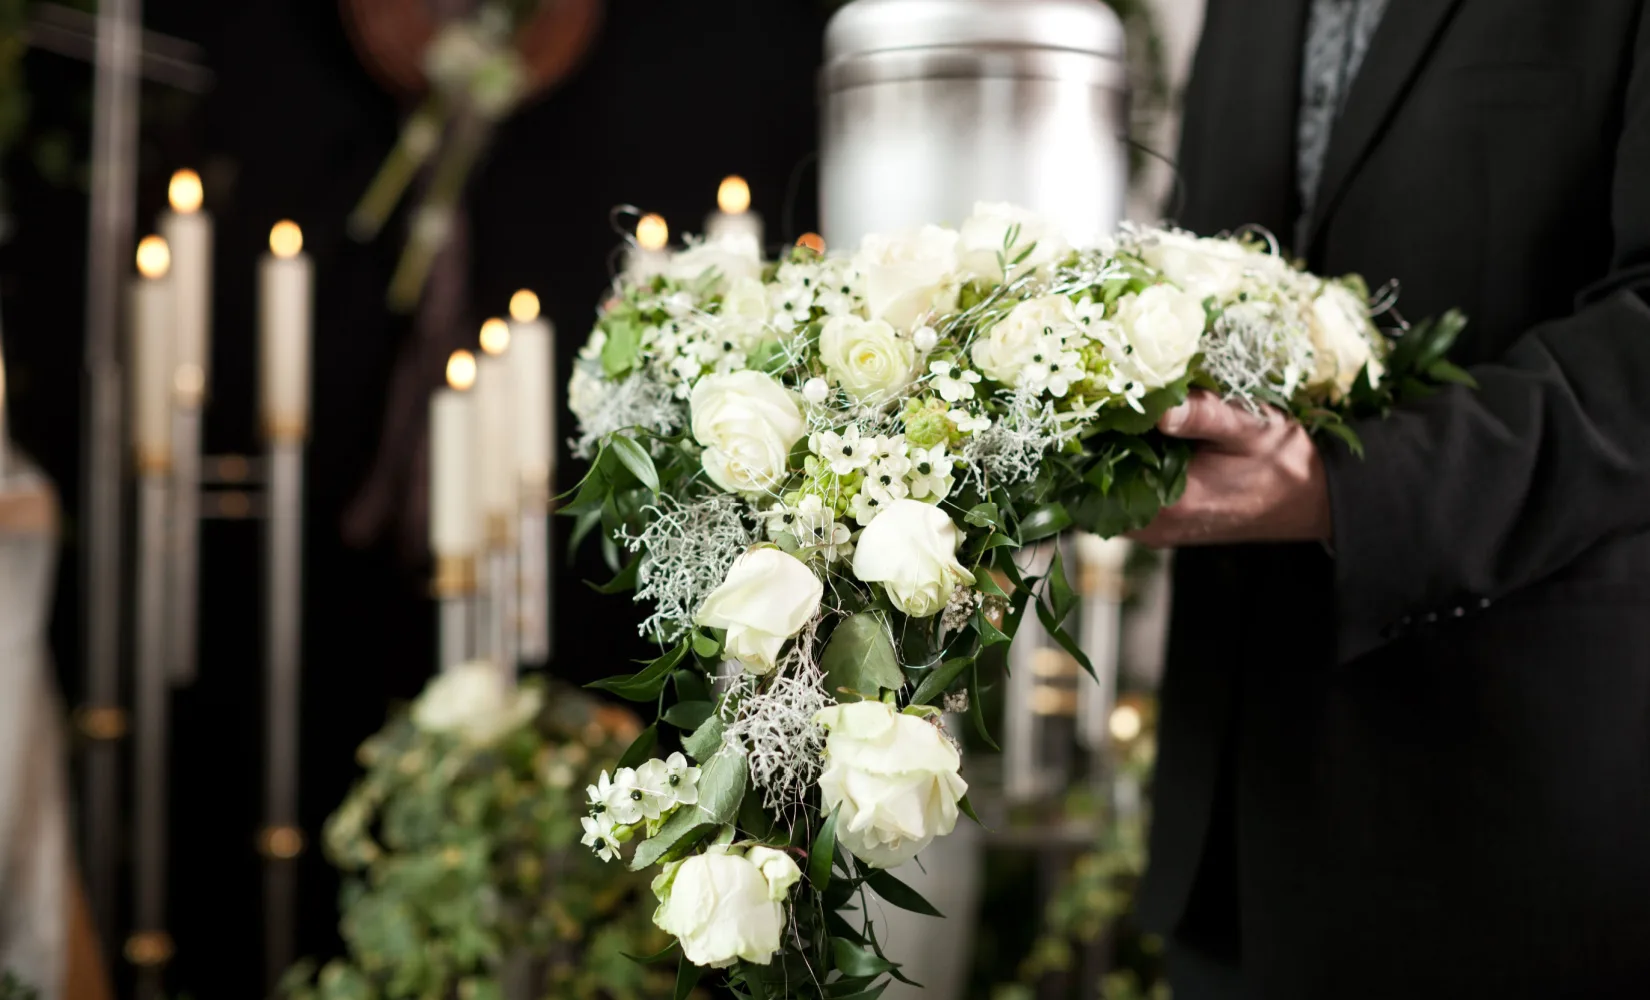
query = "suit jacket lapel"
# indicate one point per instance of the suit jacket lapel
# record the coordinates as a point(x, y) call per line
point(1238, 142)
point(1398, 50)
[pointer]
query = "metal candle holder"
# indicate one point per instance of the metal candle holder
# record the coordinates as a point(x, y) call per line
point(535, 595)
point(454, 588)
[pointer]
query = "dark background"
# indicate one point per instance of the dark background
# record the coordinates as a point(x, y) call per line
point(674, 95)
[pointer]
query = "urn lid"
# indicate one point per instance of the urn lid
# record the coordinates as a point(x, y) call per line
point(867, 26)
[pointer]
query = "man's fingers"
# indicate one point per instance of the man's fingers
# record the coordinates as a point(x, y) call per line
point(1206, 417)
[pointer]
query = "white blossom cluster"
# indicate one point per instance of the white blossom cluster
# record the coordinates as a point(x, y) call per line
point(634, 795)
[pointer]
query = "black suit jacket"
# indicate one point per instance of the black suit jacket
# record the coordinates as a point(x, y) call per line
point(1424, 761)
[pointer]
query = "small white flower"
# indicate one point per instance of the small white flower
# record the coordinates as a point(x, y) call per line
point(888, 475)
point(626, 799)
point(1162, 328)
point(601, 835)
point(845, 451)
point(816, 390)
point(819, 533)
point(1026, 337)
point(925, 339)
point(969, 423)
point(669, 783)
point(953, 388)
point(1342, 333)
point(870, 501)
point(931, 473)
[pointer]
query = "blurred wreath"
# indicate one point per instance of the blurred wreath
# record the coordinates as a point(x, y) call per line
point(460, 852)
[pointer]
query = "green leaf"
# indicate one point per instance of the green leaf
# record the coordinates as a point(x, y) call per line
point(641, 748)
point(897, 893)
point(705, 646)
point(650, 959)
point(1060, 594)
point(625, 580)
point(871, 994)
point(635, 458)
point(1447, 371)
point(821, 853)
point(687, 977)
point(1047, 520)
point(860, 658)
point(976, 707)
point(645, 685)
point(721, 786)
point(624, 343)
point(688, 715)
point(967, 808)
point(858, 960)
point(984, 515)
point(703, 742)
point(939, 679)
point(1064, 639)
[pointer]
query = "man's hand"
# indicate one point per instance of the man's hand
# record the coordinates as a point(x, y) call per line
point(1254, 478)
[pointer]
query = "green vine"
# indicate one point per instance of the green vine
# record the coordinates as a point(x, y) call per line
point(459, 856)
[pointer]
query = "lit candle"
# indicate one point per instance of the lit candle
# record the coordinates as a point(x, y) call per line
point(533, 359)
point(286, 300)
point(495, 420)
point(733, 218)
point(454, 526)
point(152, 364)
point(188, 231)
point(649, 256)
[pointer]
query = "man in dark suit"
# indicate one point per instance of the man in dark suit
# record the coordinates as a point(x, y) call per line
point(1405, 744)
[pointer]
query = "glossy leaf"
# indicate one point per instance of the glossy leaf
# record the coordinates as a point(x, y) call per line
point(646, 684)
point(820, 855)
point(641, 748)
point(688, 715)
point(703, 742)
point(860, 658)
point(939, 680)
point(897, 893)
point(721, 786)
point(635, 458)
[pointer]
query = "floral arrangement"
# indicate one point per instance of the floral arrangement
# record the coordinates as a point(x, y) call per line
point(460, 850)
point(824, 477)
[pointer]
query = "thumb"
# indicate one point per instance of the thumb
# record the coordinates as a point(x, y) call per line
point(1206, 417)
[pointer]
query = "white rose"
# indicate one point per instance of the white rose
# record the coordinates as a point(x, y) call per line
point(866, 357)
point(1023, 338)
point(1164, 326)
point(894, 777)
point(723, 906)
point(1201, 266)
point(732, 257)
point(767, 597)
point(911, 549)
point(985, 232)
point(909, 275)
point(473, 702)
point(1341, 336)
point(748, 423)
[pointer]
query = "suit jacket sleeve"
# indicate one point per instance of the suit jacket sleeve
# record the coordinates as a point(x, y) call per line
point(1472, 494)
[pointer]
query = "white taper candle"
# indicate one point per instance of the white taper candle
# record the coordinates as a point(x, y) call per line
point(152, 356)
point(455, 527)
point(286, 279)
point(188, 231)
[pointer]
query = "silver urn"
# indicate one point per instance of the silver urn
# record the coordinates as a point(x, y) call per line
point(932, 105)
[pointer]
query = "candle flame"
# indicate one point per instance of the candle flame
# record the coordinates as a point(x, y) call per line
point(524, 306)
point(1125, 723)
point(185, 192)
point(286, 239)
point(154, 257)
point(734, 195)
point(461, 370)
point(813, 241)
point(652, 233)
point(495, 336)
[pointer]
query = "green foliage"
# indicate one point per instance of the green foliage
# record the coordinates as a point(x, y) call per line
point(12, 988)
point(457, 857)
